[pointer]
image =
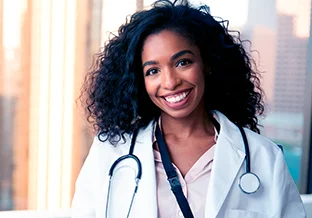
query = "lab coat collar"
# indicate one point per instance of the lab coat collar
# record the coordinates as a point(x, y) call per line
point(228, 159)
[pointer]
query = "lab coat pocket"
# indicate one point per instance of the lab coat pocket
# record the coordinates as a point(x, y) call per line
point(244, 214)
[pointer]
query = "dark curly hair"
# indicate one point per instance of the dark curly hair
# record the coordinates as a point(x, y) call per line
point(114, 92)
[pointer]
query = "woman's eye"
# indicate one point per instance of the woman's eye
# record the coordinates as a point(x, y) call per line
point(151, 72)
point(183, 63)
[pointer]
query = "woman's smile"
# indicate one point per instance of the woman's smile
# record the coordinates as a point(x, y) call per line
point(175, 98)
point(177, 101)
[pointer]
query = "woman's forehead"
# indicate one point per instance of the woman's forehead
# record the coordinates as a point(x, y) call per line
point(166, 43)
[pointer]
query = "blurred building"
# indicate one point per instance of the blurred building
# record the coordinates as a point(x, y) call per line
point(290, 67)
point(260, 28)
point(277, 30)
point(274, 27)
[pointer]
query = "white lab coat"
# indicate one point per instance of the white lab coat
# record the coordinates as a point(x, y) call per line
point(277, 197)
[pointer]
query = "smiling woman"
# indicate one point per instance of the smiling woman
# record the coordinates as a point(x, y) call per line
point(174, 96)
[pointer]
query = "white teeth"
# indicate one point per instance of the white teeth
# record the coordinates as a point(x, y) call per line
point(176, 98)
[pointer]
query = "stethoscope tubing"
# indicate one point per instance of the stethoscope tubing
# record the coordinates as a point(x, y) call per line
point(247, 154)
point(253, 178)
point(127, 156)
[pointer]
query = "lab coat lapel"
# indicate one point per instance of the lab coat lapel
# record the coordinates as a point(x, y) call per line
point(145, 204)
point(228, 159)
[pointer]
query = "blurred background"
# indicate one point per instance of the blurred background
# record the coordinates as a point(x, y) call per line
point(46, 46)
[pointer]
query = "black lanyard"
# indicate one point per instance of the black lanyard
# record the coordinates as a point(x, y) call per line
point(172, 175)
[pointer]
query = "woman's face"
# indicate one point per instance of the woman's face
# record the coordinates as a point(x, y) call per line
point(173, 74)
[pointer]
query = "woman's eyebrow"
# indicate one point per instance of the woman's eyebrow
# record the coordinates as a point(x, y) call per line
point(180, 53)
point(149, 63)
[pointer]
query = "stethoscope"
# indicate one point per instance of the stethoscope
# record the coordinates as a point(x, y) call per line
point(248, 182)
point(138, 176)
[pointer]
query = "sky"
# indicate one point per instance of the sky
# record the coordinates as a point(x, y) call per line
point(11, 23)
point(300, 9)
point(236, 12)
point(233, 10)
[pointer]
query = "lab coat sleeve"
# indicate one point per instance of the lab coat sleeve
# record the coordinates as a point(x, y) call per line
point(83, 204)
point(287, 202)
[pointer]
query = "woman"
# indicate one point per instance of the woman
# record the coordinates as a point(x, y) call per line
point(174, 88)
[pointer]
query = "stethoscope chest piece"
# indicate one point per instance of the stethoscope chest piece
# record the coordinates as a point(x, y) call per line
point(249, 183)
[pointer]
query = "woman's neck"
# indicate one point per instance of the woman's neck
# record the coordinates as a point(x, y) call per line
point(193, 125)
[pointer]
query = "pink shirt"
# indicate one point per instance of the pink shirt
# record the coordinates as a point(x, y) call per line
point(194, 186)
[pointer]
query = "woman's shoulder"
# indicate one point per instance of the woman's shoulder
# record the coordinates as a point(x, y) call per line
point(102, 145)
point(100, 142)
point(256, 141)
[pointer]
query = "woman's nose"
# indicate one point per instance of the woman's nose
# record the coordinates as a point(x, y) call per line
point(170, 79)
